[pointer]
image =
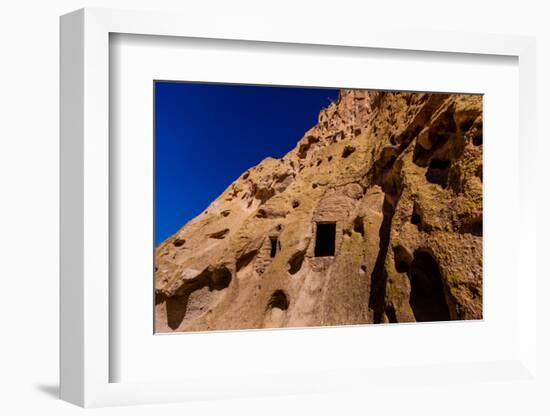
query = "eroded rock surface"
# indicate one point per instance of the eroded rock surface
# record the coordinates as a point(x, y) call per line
point(375, 216)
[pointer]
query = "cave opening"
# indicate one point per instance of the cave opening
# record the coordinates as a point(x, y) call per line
point(296, 261)
point(438, 172)
point(273, 250)
point(390, 314)
point(178, 242)
point(427, 298)
point(358, 226)
point(416, 218)
point(278, 300)
point(348, 150)
point(325, 239)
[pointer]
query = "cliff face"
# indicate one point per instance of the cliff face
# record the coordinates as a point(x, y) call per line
point(375, 216)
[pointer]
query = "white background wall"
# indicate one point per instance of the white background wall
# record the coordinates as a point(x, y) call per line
point(29, 184)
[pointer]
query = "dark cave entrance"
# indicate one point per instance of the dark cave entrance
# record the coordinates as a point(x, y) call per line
point(438, 172)
point(279, 300)
point(273, 250)
point(427, 298)
point(325, 239)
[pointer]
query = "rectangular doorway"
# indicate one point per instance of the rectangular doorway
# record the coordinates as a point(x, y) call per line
point(325, 239)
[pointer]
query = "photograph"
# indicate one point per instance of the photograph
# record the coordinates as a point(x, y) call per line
point(295, 207)
point(347, 200)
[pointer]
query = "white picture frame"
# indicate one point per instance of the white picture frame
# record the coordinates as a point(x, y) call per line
point(85, 211)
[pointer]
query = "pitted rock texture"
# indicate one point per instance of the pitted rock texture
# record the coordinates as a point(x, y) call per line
point(374, 217)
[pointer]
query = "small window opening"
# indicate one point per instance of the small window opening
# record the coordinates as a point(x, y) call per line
point(325, 239)
point(274, 246)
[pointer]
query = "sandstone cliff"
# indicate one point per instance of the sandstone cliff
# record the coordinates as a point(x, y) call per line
point(375, 216)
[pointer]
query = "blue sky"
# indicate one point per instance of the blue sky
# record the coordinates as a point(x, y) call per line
point(206, 135)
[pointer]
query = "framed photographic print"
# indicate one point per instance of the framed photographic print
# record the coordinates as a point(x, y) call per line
point(282, 212)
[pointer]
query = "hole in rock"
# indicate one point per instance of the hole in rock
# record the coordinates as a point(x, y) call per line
point(177, 306)
point(178, 242)
point(421, 155)
point(295, 262)
point(438, 136)
point(477, 140)
point(441, 132)
point(348, 150)
point(473, 226)
point(219, 235)
point(325, 239)
point(226, 213)
point(295, 203)
point(390, 313)
point(466, 124)
point(159, 298)
point(477, 228)
point(314, 185)
point(402, 259)
point(427, 298)
point(264, 194)
point(245, 259)
point(220, 279)
point(358, 226)
point(416, 217)
point(438, 172)
point(273, 250)
point(329, 158)
point(304, 147)
point(278, 300)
